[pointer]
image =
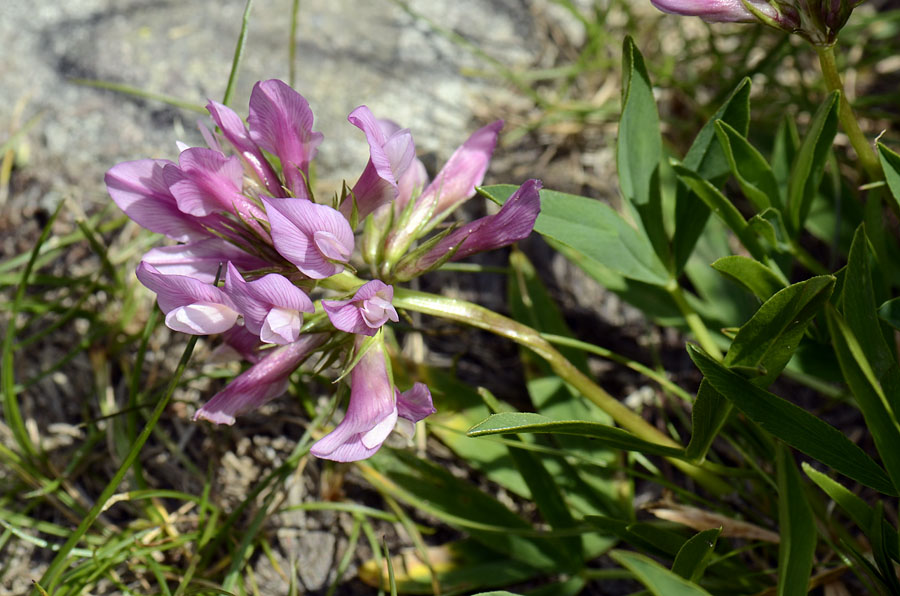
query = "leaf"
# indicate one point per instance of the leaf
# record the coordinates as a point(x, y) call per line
point(890, 162)
point(793, 425)
point(659, 580)
point(862, 318)
point(765, 343)
point(890, 312)
point(693, 558)
point(870, 396)
point(787, 139)
point(858, 510)
point(436, 491)
point(751, 274)
point(880, 549)
point(594, 230)
point(639, 147)
point(649, 537)
point(750, 168)
point(707, 159)
point(523, 422)
point(797, 525)
point(722, 207)
point(809, 165)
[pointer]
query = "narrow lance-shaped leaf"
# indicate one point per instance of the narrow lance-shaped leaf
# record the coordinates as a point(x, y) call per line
point(750, 273)
point(793, 425)
point(659, 580)
point(858, 510)
point(695, 555)
point(707, 159)
point(764, 343)
point(523, 422)
point(750, 168)
point(809, 165)
point(798, 528)
point(639, 148)
point(890, 163)
point(595, 230)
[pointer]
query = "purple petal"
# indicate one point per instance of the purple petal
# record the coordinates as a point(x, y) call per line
point(513, 222)
point(366, 312)
point(271, 305)
point(140, 190)
point(391, 152)
point(308, 235)
point(345, 316)
point(237, 134)
point(281, 123)
point(200, 260)
point(371, 415)
point(190, 305)
point(207, 182)
point(238, 343)
point(412, 181)
point(464, 170)
point(715, 10)
point(260, 383)
point(415, 403)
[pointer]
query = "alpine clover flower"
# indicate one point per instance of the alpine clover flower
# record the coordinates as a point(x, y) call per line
point(251, 244)
point(818, 21)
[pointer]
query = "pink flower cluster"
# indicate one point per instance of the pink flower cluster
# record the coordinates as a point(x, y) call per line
point(254, 244)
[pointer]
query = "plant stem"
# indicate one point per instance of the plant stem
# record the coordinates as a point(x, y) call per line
point(693, 320)
point(849, 123)
point(478, 316)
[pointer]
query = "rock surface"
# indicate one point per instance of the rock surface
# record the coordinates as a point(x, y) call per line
point(348, 53)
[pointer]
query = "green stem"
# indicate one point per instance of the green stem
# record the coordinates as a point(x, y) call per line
point(482, 318)
point(694, 322)
point(849, 123)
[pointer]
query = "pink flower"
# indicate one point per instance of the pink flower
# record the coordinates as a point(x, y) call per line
point(190, 305)
point(315, 238)
point(271, 305)
point(716, 10)
point(374, 410)
point(366, 312)
point(513, 222)
point(237, 134)
point(281, 123)
point(200, 260)
point(392, 152)
point(141, 191)
point(265, 380)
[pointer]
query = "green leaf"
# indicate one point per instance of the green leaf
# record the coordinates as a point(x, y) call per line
point(639, 147)
point(761, 281)
point(890, 162)
point(797, 528)
point(859, 308)
point(523, 422)
point(650, 537)
point(890, 312)
point(765, 343)
point(809, 165)
point(858, 510)
point(784, 151)
point(694, 556)
point(435, 491)
point(707, 159)
point(722, 207)
point(872, 399)
point(595, 230)
point(659, 580)
point(793, 425)
point(750, 168)
point(880, 548)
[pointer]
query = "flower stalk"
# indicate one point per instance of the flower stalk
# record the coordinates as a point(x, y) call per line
point(477, 316)
point(848, 120)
